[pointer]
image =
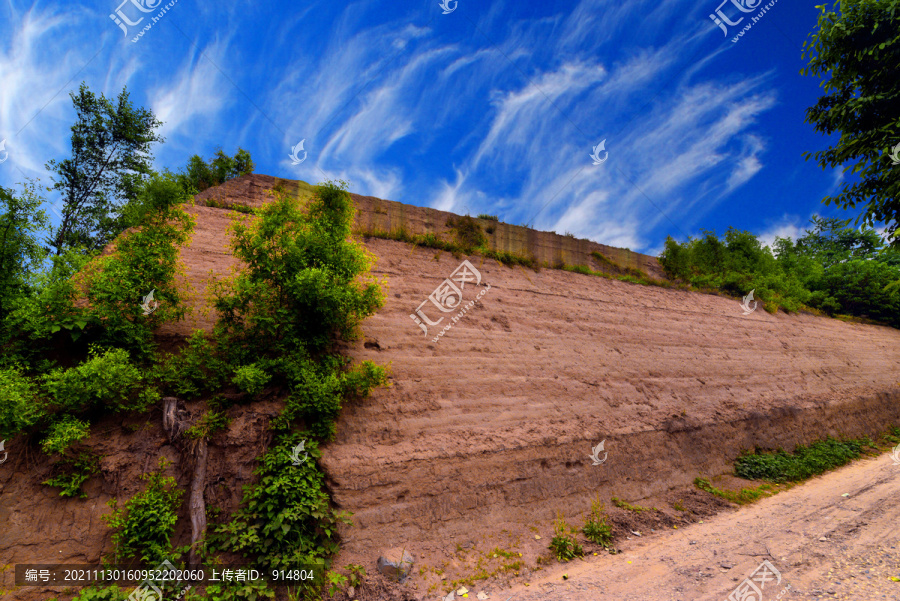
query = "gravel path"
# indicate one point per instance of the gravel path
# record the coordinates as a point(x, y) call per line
point(824, 544)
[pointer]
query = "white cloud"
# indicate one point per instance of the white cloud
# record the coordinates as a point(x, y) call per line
point(35, 103)
point(448, 196)
point(747, 165)
point(194, 92)
point(789, 226)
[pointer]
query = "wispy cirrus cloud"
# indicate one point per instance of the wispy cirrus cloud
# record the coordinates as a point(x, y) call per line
point(34, 103)
point(192, 93)
point(490, 109)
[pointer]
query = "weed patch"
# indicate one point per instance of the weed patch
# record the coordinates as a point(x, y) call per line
point(805, 462)
point(625, 505)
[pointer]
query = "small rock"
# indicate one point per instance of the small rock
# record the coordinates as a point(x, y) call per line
point(450, 597)
point(537, 537)
point(462, 590)
point(350, 591)
point(635, 533)
point(482, 596)
point(693, 542)
point(823, 539)
point(396, 564)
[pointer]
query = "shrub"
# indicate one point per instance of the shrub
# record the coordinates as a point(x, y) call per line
point(250, 379)
point(75, 471)
point(305, 280)
point(563, 543)
point(19, 409)
point(210, 423)
point(317, 394)
point(488, 217)
point(107, 378)
point(144, 525)
point(63, 433)
point(197, 368)
point(145, 259)
point(596, 528)
point(285, 519)
point(37, 318)
point(468, 233)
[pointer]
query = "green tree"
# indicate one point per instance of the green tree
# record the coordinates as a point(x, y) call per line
point(832, 241)
point(305, 281)
point(200, 175)
point(21, 254)
point(110, 161)
point(857, 51)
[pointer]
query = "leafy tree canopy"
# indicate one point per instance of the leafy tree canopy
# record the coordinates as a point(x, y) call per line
point(21, 254)
point(857, 52)
point(110, 160)
point(200, 175)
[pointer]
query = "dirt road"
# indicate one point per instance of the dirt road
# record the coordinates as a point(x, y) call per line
point(856, 560)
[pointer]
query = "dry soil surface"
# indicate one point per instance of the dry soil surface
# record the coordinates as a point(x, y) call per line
point(835, 537)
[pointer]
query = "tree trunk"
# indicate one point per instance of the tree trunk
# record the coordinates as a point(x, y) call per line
point(170, 405)
point(197, 503)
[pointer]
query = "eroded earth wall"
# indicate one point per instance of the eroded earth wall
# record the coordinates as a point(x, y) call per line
point(491, 426)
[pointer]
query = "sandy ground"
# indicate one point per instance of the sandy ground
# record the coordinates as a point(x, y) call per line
point(855, 561)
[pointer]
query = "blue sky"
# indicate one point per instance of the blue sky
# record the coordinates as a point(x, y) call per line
point(492, 108)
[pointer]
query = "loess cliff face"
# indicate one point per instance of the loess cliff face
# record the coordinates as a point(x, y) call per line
point(490, 427)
